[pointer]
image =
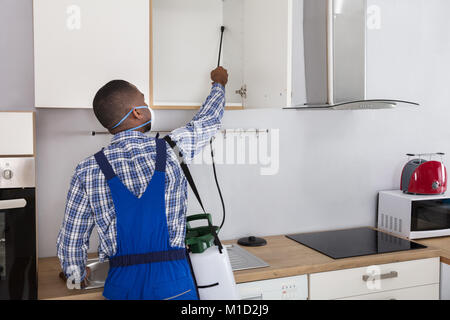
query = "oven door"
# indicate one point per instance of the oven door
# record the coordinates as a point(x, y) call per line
point(430, 218)
point(18, 273)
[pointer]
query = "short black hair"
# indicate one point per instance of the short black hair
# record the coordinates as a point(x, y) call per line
point(112, 101)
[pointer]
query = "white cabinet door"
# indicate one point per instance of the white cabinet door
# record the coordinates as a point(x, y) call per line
point(80, 45)
point(445, 281)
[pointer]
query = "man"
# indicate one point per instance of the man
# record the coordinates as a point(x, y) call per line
point(134, 192)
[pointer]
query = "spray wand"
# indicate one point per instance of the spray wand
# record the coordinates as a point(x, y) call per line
point(222, 29)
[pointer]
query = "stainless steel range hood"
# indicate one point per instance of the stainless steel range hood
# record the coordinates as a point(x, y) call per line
point(334, 34)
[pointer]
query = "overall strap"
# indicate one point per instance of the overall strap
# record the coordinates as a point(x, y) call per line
point(104, 165)
point(145, 258)
point(161, 155)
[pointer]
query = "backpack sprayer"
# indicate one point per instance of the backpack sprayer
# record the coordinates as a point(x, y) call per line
point(209, 260)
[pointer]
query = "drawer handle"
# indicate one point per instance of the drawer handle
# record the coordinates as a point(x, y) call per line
point(390, 275)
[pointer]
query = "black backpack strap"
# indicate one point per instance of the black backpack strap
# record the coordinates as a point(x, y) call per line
point(187, 173)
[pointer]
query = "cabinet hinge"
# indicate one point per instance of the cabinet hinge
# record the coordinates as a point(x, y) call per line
point(242, 91)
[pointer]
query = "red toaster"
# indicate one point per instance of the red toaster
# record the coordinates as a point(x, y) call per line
point(424, 177)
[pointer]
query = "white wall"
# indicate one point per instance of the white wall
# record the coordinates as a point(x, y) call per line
point(16, 55)
point(332, 163)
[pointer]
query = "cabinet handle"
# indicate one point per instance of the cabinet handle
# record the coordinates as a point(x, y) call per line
point(390, 275)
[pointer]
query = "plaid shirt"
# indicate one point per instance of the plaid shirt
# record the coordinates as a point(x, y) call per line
point(132, 155)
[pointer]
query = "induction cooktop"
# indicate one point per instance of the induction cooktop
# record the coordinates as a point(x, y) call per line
point(349, 243)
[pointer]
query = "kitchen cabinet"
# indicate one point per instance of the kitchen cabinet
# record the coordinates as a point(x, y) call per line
point(410, 280)
point(167, 48)
point(80, 45)
point(445, 281)
point(185, 48)
point(186, 41)
point(17, 134)
point(289, 288)
point(415, 280)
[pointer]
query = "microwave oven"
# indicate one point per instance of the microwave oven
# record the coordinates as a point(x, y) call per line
point(414, 216)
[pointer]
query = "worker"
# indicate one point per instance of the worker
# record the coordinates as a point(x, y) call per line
point(135, 194)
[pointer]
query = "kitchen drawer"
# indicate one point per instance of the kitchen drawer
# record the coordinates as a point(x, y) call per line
point(430, 292)
point(373, 279)
point(290, 288)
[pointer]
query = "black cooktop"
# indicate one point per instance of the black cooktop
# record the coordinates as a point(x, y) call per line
point(353, 242)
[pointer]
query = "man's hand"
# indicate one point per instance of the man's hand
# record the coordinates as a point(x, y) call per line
point(83, 283)
point(219, 75)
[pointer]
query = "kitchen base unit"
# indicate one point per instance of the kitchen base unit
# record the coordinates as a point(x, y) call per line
point(410, 280)
point(290, 288)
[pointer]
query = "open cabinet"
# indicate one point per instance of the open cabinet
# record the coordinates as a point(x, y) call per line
point(186, 39)
point(167, 48)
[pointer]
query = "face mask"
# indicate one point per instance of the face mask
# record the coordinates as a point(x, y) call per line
point(138, 127)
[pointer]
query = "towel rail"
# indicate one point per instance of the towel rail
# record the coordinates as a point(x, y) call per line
point(225, 132)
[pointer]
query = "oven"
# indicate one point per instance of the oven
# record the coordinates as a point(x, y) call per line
point(18, 258)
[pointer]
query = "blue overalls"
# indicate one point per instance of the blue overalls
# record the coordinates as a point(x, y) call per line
point(146, 266)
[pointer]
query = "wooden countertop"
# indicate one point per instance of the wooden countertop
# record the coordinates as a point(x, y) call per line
point(441, 243)
point(286, 258)
point(51, 286)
